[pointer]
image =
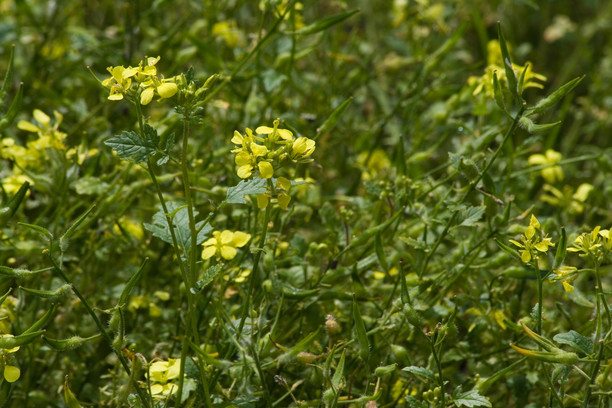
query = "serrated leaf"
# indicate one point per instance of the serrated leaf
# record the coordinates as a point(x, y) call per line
point(236, 194)
point(130, 146)
point(472, 215)
point(576, 341)
point(180, 222)
point(210, 274)
point(421, 373)
point(470, 399)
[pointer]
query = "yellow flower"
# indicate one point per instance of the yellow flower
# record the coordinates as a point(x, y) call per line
point(587, 243)
point(567, 275)
point(162, 374)
point(120, 81)
point(553, 172)
point(274, 133)
point(302, 148)
point(224, 244)
point(532, 241)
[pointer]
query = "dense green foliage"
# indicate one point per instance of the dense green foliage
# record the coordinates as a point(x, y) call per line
point(418, 217)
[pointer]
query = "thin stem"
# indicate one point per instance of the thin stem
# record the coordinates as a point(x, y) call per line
point(540, 297)
point(261, 243)
point(471, 188)
point(100, 326)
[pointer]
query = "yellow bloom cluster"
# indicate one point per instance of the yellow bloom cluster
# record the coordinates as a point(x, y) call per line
point(532, 241)
point(484, 84)
point(266, 147)
point(145, 75)
point(34, 155)
point(552, 172)
point(162, 375)
point(224, 244)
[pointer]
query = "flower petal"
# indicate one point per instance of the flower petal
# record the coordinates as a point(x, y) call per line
point(11, 373)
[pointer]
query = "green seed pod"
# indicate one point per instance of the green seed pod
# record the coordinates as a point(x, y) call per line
point(66, 344)
point(382, 371)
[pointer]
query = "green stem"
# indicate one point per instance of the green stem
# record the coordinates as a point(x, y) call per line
point(439, 367)
point(471, 188)
point(593, 375)
point(540, 297)
point(100, 326)
point(261, 243)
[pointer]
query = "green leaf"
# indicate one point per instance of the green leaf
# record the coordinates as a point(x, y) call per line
point(472, 215)
point(6, 213)
point(131, 283)
point(360, 332)
point(470, 399)
point(576, 341)
point(339, 374)
point(180, 222)
point(130, 146)
point(69, 398)
point(510, 77)
point(421, 373)
point(333, 119)
point(325, 23)
point(236, 194)
point(210, 274)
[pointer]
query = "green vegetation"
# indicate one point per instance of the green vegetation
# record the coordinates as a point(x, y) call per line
point(305, 203)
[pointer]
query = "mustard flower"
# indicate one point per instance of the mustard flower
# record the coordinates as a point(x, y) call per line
point(587, 243)
point(302, 148)
point(567, 275)
point(553, 172)
point(282, 194)
point(224, 244)
point(10, 372)
point(274, 133)
point(162, 374)
point(484, 84)
point(120, 81)
point(48, 132)
point(532, 241)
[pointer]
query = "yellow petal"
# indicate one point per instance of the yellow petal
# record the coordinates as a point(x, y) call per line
point(283, 183)
point(264, 130)
point(285, 134)
point(237, 139)
point(283, 200)
point(11, 373)
point(245, 171)
point(167, 89)
point(242, 159)
point(226, 237)
point(41, 117)
point(228, 252)
point(27, 126)
point(147, 96)
point(266, 170)
point(209, 252)
point(568, 287)
point(156, 389)
point(525, 256)
point(240, 238)
point(258, 150)
point(262, 201)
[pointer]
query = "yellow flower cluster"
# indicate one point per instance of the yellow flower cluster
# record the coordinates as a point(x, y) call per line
point(532, 241)
point(550, 158)
point(145, 75)
point(162, 375)
point(484, 84)
point(34, 155)
point(267, 146)
point(224, 244)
